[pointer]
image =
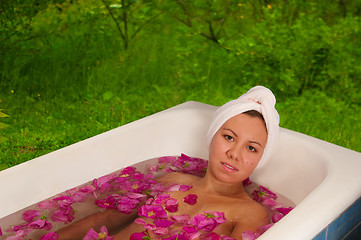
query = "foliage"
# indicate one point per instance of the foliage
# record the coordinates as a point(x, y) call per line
point(2, 139)
point(2, 125)
point(131, 16)
point(72, 69)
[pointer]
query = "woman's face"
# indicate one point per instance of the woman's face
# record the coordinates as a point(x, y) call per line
point(236, 148)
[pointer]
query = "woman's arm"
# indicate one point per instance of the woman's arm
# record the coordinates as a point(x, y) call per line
point(112, 219)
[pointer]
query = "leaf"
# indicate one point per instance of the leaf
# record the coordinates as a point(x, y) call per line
point(3, 125)
point(3, 114)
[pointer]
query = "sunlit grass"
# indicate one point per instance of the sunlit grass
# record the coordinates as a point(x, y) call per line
point(62, 93)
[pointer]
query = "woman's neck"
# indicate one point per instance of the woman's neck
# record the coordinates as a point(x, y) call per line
point(211, 185)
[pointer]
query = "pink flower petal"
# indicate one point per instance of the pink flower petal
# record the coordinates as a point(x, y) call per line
point(171, 205)
point(47, 204)
point(40, 224)
point(30, 215)
point(208, 221)
point(161, 231)
point(191, 199)
point(276, 217)
point(211, 236)
point(264, 228)
point(189, 229)
point(152, 211)
point(249, 235)
point(150, 227)
point(167, 159)
point(50, 236)
point(247, 182)
point(91, 235)
point(180, 218)
point(163, 223)
point(284, 211)
point(223, 237)
point(138, 236)
point(269, 202)
point(184, 188)
point(140, 221)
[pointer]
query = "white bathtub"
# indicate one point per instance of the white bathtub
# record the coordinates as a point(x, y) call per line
point(321, 178)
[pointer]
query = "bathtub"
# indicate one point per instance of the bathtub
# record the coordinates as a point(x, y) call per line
point(322, 179)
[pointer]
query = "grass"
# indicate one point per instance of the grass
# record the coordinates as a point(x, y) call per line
point(57, 92)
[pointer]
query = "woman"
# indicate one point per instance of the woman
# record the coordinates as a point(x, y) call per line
point(240, 138)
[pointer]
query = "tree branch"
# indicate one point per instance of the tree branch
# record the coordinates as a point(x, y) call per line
point(114, 19)
point(145, 23)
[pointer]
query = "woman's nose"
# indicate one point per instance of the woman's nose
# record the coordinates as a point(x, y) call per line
point(234, 154)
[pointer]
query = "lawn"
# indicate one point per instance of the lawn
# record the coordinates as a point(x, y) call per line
point(71, 70)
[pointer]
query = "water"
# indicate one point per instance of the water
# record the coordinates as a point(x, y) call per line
point(122, 182)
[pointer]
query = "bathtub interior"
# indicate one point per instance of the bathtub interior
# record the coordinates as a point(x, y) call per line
point(299, 168)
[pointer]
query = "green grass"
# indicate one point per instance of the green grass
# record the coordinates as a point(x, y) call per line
point(68, 85)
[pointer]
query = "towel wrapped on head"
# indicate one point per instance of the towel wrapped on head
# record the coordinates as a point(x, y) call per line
point(257, 98)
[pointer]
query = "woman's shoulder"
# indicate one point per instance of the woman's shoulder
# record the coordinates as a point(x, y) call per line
point(252, 209)
point(178, 178)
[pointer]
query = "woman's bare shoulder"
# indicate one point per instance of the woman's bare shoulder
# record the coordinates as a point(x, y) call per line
point(247, 209)
point(249, 217)
point(177, 177)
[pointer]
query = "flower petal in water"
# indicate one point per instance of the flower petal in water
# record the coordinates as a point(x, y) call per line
point(179, 187)
point(126, 204)
point(269, 202)
point(207, 221)
point(40, 224)
point(50, 236)
point(161, 231)
point(171, 205)
point(152, 211)
point(139, 236)
point(30, 215)
point(163, 223)
point(211, 236)
point(109, 202)
point(191, 199)
point(247, 182)
point(63, 201)
point(144, 224)
point(153, 169)
point(65, 215)
point(276, 217)
point(264, 228)
point(284, 211)
point(93, 235)
point(180, 218)
point(167, 159)
point(161, 199)
point(20, 234)
point(262, 193)
point(223, 237)
point(184, 188)
point(249, 235)
point(48, 204)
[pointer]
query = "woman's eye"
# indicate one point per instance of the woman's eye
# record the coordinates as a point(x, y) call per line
point(251, 148)
point(228, 137)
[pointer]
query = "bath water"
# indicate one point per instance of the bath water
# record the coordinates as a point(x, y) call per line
point(136, 180)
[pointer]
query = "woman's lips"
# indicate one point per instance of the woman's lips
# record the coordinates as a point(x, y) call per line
point(228, 167)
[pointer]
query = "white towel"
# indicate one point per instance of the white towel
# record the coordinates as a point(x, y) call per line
point(257, 98)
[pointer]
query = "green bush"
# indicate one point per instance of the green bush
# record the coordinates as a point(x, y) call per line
point(68, 74)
